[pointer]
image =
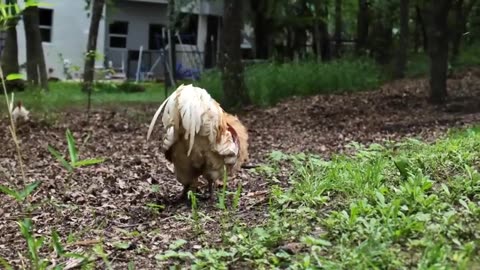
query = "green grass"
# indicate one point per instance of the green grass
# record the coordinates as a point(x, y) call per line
point(418, 64)
point(68, 94)
point(395, 206)
point(468, 56)
point(269, 83)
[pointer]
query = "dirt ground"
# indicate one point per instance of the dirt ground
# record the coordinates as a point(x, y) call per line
point(109, 202)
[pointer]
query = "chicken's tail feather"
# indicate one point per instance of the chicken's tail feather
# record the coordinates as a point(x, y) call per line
point(195, 110)
point(157, 113)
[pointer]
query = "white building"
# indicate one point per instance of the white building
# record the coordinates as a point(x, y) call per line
point(125, 28)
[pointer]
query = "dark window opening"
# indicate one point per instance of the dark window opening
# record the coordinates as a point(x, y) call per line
point(45, 23)
point(119, 28)
point(46, 35)
point(118, 32)
point(118, 42)
point(155, 38)
point(188, 27)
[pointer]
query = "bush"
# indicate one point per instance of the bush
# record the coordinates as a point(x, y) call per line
point(468, 56)
point(125, 87)
point(131, 87)
point(268, 83)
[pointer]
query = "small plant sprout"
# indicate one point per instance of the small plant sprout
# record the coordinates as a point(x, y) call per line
point(73, 152)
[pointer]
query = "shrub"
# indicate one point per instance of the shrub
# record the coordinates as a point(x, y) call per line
point(268, 83)
point(124, 87)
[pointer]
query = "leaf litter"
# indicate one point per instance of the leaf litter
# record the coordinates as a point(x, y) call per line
point(125, 202)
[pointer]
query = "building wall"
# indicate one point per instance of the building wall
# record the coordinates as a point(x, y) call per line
point(139, 15)
point(69, 37)
point(207, 7)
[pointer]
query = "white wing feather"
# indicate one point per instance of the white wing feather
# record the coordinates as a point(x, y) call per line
point(198, 111)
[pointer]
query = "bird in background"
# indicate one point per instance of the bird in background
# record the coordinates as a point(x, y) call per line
point(19, 112)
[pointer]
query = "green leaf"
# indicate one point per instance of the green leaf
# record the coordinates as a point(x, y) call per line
point(28, 190)
point(446, 189)
point(88, 162)
point(75, 256)
point(71, 147)
point(380, 197)
point(155, 206)
point(402, 166)
point(60, 158)
point(177, 244)
point(122, 245)
point(173, 254)
point(14, 76)
point(10, 192)
point(315, 241)
point(57, 245)
point(35, 3)
point(5, 264)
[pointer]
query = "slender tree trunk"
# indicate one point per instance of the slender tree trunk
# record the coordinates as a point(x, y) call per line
point(462, 11)
point(317, 41)
point(262, 36)
point(36, 68)
point(421, 22)
point(262, 29)
point(403, 42)
point(234, 89)
point(362, 26)
point(9, 59)
point(172, 48)
point(89, 68)
point(436, 14)
point(416, 36)
point(459, 27)
point(338, 28)
point(325, 49)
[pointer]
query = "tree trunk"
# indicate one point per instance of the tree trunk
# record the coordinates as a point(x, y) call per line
point(9, 58)
point(89, 68)
point(362, 26)
point(421, 22)
point(317, 41)
point(234, 89)
point(262, 37)
point(171, 53)
point(402, 52)
point(436, 14)
point(338, 28)
point(325, 50)
point(462, 11)
point(416, 35)
point(36, 68)
point(262, 30)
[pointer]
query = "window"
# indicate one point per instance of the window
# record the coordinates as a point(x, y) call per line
point(188, 28)
point(45, 18)
point(155, 41)
point(118, 32)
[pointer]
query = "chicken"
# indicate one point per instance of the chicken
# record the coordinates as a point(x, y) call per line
point(200, 138)
point(19, 111)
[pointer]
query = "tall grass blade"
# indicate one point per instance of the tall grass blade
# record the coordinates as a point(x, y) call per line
point(60, 158)
point(5, 264)
point(23, 194)
point(10, 192)
point(88, 162)
point(71, 147)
